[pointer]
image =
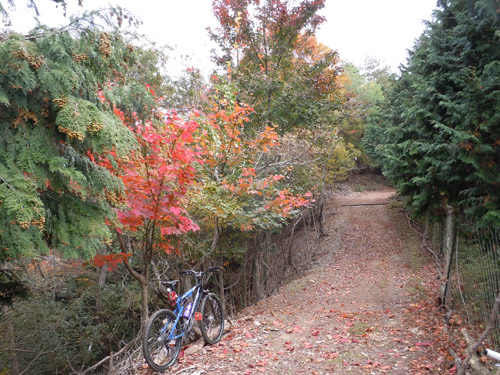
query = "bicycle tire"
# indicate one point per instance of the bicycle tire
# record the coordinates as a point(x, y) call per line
point(158, 353)
point(212, 323)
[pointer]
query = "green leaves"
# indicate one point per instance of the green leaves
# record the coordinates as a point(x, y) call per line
point(52, 193)
point(438, 137)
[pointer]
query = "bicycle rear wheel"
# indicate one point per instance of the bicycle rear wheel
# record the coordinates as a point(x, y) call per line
point(159, 352)
point(212, 323)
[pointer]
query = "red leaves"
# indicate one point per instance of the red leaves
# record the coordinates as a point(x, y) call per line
point(307, 345)
point(229, 155)
point(295, 329)
point(245, 172)
point(286, 202)
point(111, 260)
point(423, 344)
point(156, 175)
point(288, 346)
point(330, 355)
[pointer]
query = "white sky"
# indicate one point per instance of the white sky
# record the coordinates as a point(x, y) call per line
point(384, 29)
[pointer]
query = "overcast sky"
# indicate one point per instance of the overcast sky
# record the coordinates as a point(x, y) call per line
point(384, 29)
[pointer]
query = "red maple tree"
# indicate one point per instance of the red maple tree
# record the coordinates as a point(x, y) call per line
point(150, 212)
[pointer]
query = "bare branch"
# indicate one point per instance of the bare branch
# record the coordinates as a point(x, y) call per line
point(36, 357)
point(4, 181)
point(104, 360)
point(133, 272)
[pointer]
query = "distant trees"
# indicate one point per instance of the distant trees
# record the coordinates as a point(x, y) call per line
point(273, 64)
point(293, 82)
point(367, 88)
point(272, 56)
point(439, 138)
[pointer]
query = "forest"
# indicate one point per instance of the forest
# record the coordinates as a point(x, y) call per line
point(115, 175)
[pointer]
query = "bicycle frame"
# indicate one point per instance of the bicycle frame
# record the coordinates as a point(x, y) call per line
point(179, 310)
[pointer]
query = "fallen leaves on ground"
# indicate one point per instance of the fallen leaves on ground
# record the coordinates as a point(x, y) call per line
point(367, 307)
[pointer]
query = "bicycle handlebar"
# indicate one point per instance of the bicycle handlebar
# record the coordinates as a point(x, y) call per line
point(200, 273)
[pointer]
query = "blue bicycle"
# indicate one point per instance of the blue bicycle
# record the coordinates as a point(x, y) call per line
point(165, 330)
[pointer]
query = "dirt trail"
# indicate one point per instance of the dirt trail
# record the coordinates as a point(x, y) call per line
point(365, 307)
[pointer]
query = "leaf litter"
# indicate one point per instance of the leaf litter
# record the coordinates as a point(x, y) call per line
point(363, 308)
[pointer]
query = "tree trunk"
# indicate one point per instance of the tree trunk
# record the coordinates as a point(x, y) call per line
point(141, 278)
point(144, 303)
point(103, 271)
point(221, 291)
point(11, 339)
point(257, 272)
point(427, 224)
point(268, 269)
point(290, 247)
point(321, 203)
point(244, 276)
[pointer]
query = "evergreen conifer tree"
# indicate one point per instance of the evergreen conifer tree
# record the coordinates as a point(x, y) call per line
point(52, 124)
point(441, 136)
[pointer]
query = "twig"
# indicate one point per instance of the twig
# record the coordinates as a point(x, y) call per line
point(186, 369)
point(236, 282)
point(481, 338)
point(34, 360)
point(102, 361)
point(286, 163)
point(364, 204)
point(3, 180)
point(455, 356)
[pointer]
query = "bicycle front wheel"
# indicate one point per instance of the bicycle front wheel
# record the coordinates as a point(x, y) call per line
point(159, 352)
point(212, 322)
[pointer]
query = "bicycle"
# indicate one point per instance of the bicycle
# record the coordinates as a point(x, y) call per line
point(165, 330)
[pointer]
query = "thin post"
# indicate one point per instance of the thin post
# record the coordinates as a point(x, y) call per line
point(449, 245)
